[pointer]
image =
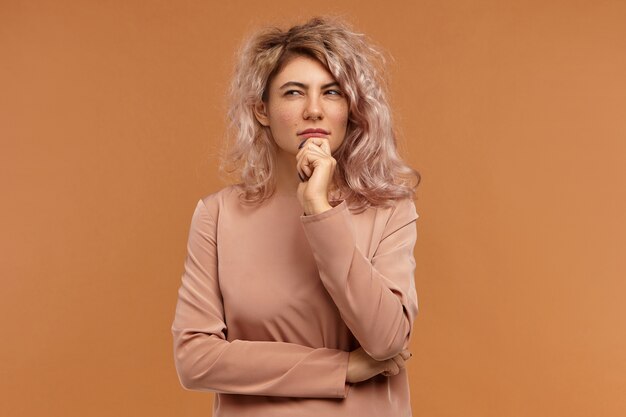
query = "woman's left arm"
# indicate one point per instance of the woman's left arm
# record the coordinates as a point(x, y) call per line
point(377, 299)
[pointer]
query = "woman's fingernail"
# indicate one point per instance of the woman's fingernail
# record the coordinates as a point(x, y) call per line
point(300, 176)
point(301, 144)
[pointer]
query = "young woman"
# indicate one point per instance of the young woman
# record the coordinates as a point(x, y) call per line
point(298, 296)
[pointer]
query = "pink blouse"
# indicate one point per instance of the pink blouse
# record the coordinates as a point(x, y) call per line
point(272, 301)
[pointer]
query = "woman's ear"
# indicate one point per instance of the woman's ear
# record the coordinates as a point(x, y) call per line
point(260, 112)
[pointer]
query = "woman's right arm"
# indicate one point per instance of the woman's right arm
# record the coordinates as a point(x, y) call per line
point(206, 361)
point(362, 366)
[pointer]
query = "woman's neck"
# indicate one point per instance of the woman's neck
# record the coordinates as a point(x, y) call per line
point(286, 174)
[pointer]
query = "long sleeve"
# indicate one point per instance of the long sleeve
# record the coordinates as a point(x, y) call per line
point(206, 361)
point(377, 299)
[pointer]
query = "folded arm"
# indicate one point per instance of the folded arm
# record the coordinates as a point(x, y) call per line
point(377, 298)
point(206, 361)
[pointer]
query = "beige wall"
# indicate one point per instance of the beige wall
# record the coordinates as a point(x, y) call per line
point(514, 112)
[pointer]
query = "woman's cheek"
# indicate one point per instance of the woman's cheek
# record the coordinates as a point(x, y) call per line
point(342, 119)
point(341, 113)
point(285, 117)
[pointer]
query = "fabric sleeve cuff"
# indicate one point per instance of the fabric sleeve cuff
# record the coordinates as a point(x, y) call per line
point(344, 387)
point(343, 206)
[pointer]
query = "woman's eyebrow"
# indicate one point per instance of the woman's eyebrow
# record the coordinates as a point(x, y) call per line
point(304, 86)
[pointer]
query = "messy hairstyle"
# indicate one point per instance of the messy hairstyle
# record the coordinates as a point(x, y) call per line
point(369, 171)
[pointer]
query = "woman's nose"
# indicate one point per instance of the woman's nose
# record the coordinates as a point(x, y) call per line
point(313, 110)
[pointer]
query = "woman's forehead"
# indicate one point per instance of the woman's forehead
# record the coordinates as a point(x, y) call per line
point(305, 70)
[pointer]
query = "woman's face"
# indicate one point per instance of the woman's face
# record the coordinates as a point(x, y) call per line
point(304, 96)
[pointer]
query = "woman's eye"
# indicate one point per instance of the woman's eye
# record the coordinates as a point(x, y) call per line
point(291, 92)
point(334, 92)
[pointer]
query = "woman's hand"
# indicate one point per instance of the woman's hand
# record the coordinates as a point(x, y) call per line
point(316, 163)
point(362, 366)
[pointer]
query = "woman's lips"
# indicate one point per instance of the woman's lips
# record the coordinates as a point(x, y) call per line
point(313, 135)
point(311, 132)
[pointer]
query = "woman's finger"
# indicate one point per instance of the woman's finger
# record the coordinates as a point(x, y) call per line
point(301, 174)
point(316, 147)
point(307, 156)
point(325, 145)
point(393, 368)
point(313, 149)
point(303, 165)
point(322, 143)
point(399, 361)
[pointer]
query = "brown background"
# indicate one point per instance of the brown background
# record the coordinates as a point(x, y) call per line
point(111, 114)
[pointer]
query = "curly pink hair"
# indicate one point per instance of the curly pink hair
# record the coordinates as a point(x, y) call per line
point(369, 170)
